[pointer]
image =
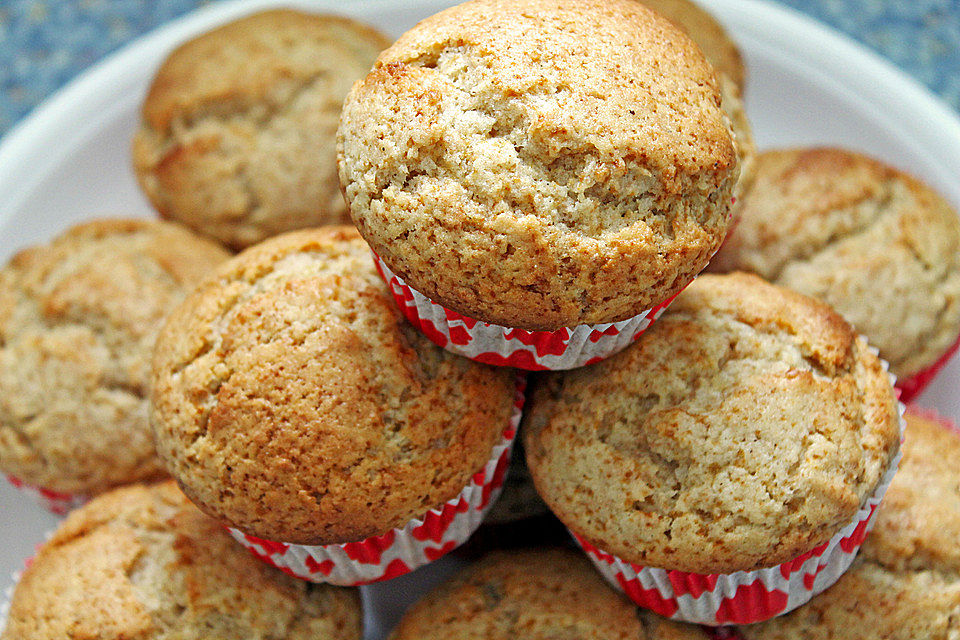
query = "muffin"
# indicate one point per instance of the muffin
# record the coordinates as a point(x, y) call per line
point(237, 138)
point(751, 430)
point(904, 584)
point(876, 244)
point(718, 47)
point(142, 562)
point(78, 321)
point(293, 402)
point(724, 55)
point(538, 595)
point(539, 166)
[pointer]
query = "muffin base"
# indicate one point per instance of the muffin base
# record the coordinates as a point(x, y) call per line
point(743, 597)
point(403, 549)
point(912, 386)
point(566, 348)
point(56, 502)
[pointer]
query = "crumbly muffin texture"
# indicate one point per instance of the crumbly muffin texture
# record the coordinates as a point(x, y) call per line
point(541, 164)
point(724, 56)
point(78, 321)
point(539, 595)
point(142, 562)
point(292, 400)
point(905, 583)
point(874, 243)
point(238, 134)
point(720, 50)
point(746, 427)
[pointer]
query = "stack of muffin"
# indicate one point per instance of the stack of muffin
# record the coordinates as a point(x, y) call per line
point(536, 185)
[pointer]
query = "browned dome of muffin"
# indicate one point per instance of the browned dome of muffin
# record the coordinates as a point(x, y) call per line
point(78, 320)
point(873, 242)
point(905, 583)
point(746, 427)
point(293, 401)
point(541, 163)
point(238, 137)
point(143, 563)
point(547, 594)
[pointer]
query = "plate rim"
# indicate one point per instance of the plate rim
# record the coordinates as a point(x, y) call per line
point(865, 71)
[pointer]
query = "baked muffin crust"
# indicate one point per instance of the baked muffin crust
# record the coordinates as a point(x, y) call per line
point(539, 594)
point(724, 56)
point(238, 134)
point(540, 164)
point(745, 428)
point(293, 401)
point(78, 321)
point(142, 562)
point(905, 583)
point(698, 23)
point(878, 245)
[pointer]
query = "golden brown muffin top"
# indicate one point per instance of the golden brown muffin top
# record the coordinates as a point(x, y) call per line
point(78, 321)
point(143, 563)
point(292, 400)
point(724, 56)
point(905, 584)
point(545, 594)
point(238, 130)
point(717, 46)
point(747, 426)
point(878, 245)
point(540, 163)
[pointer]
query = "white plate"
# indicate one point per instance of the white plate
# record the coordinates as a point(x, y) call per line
point(70, 161)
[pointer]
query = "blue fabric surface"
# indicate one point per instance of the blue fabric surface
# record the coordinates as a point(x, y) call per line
point(45, 43)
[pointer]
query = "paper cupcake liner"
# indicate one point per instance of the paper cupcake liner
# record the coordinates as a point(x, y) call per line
point(7, 598)
point(403, 549)
point(495, 344)
point(744, 597)
point(56, 501)
point(912, 386)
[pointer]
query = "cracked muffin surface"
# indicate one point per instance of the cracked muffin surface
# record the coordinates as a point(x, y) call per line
point(541, 164)
point(720, 50)
point(238, 132)
point(724, 56)
point(292, 400)
point(142, 562)
point(876, 244)
point(905, 582)
point(543, 594)
point(746, 427)
point(78, 321)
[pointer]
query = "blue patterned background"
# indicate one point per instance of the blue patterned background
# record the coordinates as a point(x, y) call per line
point(45, 43)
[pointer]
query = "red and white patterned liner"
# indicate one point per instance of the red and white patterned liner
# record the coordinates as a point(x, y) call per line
point(744, 597)
point(400, 550)
point(7, 598)
point(58, 502)
point(495, 344)
point(912, 386)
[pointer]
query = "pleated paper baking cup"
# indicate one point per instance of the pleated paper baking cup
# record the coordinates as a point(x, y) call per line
point(912, 386)
point(56, 501)
point(495, 344)
point(7, 598)
point(403, 549)
point(744, 596)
